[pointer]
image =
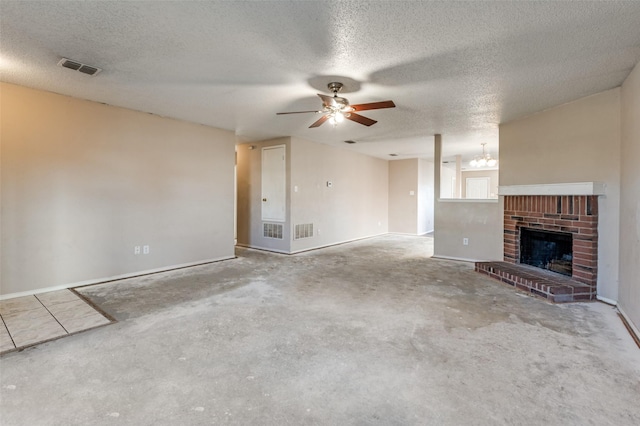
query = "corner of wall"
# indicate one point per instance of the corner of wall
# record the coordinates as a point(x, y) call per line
point(629, 228)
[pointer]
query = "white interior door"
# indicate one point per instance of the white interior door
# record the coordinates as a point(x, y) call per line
point(477, 187)
point(274, 185)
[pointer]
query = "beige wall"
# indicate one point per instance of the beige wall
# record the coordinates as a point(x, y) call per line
point(481, 222)
point(478, 221)
point(249, 204)
point(356, 204)
point(403, 196)
point(83, 183)
point(629, 296)
point(575, 142)
point(411, 214)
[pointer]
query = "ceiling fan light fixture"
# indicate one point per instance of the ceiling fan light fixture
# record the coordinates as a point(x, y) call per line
point(336, 109)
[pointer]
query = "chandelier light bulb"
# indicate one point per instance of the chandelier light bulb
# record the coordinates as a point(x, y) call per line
point(338, 117)
point(483, 160)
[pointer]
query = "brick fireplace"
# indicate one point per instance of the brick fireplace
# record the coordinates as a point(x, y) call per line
point(575, 217)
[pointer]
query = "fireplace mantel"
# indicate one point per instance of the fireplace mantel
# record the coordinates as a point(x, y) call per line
point(572, 188)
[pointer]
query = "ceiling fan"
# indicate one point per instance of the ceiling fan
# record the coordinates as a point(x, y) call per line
point(335, 108)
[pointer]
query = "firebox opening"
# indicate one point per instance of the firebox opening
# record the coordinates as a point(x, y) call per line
point(547, 250)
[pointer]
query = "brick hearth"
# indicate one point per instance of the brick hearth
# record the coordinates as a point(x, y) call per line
point(573, 214)
point(550, 285)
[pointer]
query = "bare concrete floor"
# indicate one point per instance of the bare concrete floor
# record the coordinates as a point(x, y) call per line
point(371, 332)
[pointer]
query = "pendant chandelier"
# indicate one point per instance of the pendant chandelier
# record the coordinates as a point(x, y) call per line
point(483, 160)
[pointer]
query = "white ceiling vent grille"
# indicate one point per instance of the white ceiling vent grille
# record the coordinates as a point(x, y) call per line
point(77, 66)
point(272, 230)
point(303, 230)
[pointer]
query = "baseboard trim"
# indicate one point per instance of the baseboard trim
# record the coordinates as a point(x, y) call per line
point(272, 250)
point(607, 300)
point(629, 325)
point(461, 259)
point(311, 248)
point(633, 330)
point(338, 243)
point(113, 278)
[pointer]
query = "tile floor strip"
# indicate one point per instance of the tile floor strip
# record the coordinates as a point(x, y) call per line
point(29, 320)
point(6, 341)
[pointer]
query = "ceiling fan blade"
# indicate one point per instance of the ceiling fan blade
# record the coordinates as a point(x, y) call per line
point(328, 100)
point(296, 112)
point(373, 105)
point(319, 121)
point(360, 119)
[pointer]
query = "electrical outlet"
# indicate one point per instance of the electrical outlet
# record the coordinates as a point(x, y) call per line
point(465, 241)
point(136, 250)
point(145, 250)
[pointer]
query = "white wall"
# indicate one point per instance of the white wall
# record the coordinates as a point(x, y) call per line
point(575, 142)
point(448, 180)
point(629, 294)
point(83, 183)
point(425, 197)
point(491, 174)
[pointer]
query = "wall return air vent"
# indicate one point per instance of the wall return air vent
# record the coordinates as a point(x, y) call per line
point(304, 230)
point(78, 66)
point(272, 230)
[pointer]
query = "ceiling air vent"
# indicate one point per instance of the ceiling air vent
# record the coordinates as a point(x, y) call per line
point(77, 66)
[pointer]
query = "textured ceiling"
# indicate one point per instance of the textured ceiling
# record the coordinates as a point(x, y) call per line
point(455, 68)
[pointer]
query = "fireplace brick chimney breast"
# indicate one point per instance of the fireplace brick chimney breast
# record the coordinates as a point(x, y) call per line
point(573, 214)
